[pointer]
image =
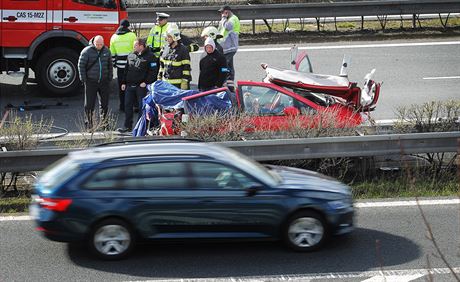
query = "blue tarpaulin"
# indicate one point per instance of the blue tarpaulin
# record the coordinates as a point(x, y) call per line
point(219, 102)
point(170, 97)
point(167, 95)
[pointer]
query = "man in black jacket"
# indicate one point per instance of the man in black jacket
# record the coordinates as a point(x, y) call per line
point(213, 67)
point(140, 70)
point(95, 69)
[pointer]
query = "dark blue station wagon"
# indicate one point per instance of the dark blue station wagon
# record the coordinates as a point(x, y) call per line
point(113, 196)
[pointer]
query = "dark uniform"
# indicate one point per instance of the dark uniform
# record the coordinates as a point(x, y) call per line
point(213, 70)
point(175, 66)
point(139, 68)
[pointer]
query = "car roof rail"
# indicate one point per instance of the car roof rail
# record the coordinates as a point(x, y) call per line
point(147, 140)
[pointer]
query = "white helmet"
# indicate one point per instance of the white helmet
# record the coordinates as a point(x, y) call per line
point(210, 31)
point(174, 32)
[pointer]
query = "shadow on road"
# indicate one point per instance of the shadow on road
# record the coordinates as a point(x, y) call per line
point(192, 260)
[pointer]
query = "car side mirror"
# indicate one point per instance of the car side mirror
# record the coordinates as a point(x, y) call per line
point(291, 111)
point(253, 189)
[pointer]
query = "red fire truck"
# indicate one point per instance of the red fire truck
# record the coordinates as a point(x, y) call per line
point(48, 35)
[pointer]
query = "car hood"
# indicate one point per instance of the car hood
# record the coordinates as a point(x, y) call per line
point(295, 178)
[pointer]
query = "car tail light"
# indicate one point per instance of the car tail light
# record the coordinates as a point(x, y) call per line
point(59, 205)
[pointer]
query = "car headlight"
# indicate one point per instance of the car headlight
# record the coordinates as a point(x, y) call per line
point(339, 204)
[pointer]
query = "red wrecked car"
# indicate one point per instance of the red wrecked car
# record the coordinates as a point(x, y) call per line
point(285, 95)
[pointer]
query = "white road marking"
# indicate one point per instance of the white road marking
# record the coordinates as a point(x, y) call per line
point(408, 203)
point(388, 275)
point(382, 204)
point(401, 278)
point(15, 218)
point(385, 45)
point(441, 77)
point(355, 46)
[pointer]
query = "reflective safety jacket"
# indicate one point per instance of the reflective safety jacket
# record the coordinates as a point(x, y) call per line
point(121, 44)
point(229, 28)
point(175, 66)
point(157, 38)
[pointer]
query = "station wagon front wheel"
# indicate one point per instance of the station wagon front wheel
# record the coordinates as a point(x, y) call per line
point(111, 239)
point(305, 231)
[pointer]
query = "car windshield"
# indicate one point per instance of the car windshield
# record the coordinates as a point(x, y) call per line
point(256, 169)
point(57, 173)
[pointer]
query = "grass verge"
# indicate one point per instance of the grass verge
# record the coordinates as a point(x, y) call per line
point(14, 205)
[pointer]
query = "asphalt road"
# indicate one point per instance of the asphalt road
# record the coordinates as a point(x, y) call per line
point(390, 238)
point(414, 71)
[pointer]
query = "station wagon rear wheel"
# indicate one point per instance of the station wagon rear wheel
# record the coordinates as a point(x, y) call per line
point(111, 239)
point(305, 231)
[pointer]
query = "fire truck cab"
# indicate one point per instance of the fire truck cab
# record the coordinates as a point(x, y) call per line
point(48, 35)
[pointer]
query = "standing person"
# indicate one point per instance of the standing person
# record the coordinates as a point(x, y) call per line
point(229, 28)
point(139, 71)
point(121, 44)
point(213, 67)
point(95, 69)
point(157, 35)
point(175, 61)
point(212, 32)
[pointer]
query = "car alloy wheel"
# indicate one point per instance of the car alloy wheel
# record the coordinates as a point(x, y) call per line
point(306, 231)
point(111, 239)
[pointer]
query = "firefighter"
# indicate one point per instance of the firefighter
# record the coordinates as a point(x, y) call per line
point(121, 44)
point(213, 67)
point(95, 69)
point(139, 71)
point(175, 61)
point(212, 32)
point(229, 28)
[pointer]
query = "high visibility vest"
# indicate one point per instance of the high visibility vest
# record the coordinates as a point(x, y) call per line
point(120, 46)
point(157, 38)
point(236, 27)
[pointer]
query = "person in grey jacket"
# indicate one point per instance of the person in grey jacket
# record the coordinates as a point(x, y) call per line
point(95, 69)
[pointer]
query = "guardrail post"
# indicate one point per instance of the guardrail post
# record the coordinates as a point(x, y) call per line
point(458, 165)
point(253, 26)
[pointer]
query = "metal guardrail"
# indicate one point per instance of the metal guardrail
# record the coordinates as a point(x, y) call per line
point(306, 10)
point(281, 149)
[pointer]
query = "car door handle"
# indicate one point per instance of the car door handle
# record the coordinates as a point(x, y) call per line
point(71, 19)
point(10, 18)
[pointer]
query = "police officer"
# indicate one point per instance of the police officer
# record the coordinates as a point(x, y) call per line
point(175, 61)
point(139, 71)
point(157, 35)
point(121, 44)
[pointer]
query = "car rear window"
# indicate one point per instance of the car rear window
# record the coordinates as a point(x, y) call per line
point(58, 173)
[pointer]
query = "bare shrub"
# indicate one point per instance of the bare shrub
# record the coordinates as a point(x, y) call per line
point(233, 127)
point(435, 116)
point(101, 132)
point(23, 133)
point(20, 133)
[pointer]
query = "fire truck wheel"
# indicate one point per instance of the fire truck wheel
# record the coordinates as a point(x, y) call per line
point(57, 72)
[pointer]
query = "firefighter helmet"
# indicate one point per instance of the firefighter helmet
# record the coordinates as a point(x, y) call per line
point(210, 31)
point(174, 32)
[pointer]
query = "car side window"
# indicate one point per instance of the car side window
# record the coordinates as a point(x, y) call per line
point(156, 175)
point(107, 178)
point(108, 4)
point(259, 100)
point(209, 175)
